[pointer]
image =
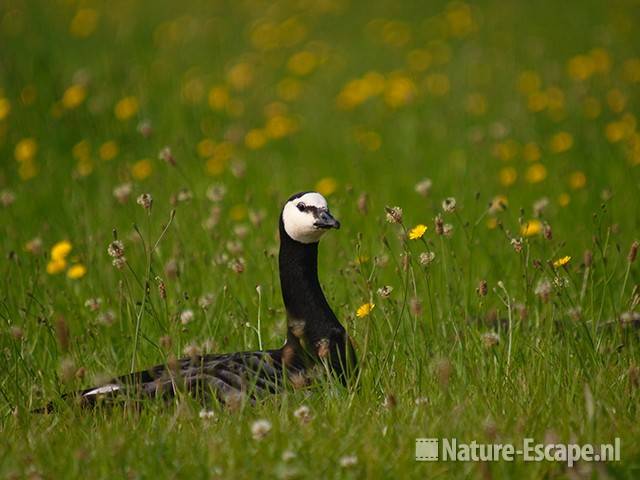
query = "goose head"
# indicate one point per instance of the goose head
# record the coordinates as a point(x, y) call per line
point(306, 217)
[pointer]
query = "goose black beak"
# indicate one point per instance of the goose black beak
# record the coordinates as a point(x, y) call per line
point(325, 221)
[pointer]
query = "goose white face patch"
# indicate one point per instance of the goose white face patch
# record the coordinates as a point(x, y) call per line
point(300, 216)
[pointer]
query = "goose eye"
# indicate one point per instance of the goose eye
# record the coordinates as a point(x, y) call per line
point(301, 207)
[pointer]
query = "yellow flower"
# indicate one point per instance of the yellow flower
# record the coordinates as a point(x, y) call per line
point(438, 84)
point(561, 262)
point(536, 173)
point(76, 271)
point(326, 186)
point(364, 310)
point(531, 228)
point(206, 147)
point(218, 97)
point(108, 150)
point(302, 63)
point(577, 180)
point(399, 91)
point(564, 199)
point(561, 142)
point(25, 149)
point(255, 138)
point(238, 212)
point(126, 108)
point(84, 22)
point(508, 176)
point(60, 250)
point(417, 232)
point(56, 266)
point(73, 96)
point(141, 169)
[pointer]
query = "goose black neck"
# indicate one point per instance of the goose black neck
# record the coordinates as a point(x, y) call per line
point(301, 291)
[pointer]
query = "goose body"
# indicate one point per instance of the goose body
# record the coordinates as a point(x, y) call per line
point(316, 341)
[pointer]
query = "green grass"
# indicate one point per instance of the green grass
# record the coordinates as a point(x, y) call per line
point(565, 367)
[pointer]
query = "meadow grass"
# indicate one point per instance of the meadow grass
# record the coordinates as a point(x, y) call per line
point(480, 329)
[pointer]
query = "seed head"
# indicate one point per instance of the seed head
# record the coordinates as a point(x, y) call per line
point(260, 429)
point(490, 339)
point(363, 203)
point(216, 192)
point(385, 291)
point(426, 258)
point(303, 414)
point(166, 155)
point(482, 288)
point(186, 316)
point(439, 225)
point(423, 187)
point(547, 232)
point(449, 205)
point(7, 197)
point(145, 200)
point(517, 243)
point(543, 290)
point(394, 214)
point(348, 461)
point(119, 262)
point(116, 249)
point(122, 192)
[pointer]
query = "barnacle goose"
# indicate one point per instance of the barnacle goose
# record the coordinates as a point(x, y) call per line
point(316, 341)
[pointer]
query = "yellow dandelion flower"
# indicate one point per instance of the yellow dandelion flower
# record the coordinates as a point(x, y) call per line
point(399, 91)
point(141, 169)
point(536, 173)
point(238, 212)
point(477, 104)
point(564, 199)
point(240, 76)
point(280, 126)
point(60, 250)
point(73, 96)
point(206, 147)
point(27, 170)
point(84, 22)
point(417, 232)
point(255, 138)
point(561, 142)
point(76, 271)
point(5, 108)
point(326, 186)
point(531, 228)
point(302, 63)
point(218, 97)
point(364, 310)
point(108, 150)
point(26, 149)
point(56, 266)
point(561, 262)
point(529, 82)
point(492, 223)
point(508, 176)
point(531, 152)
point(577, 180)
point(126, 108)
point(81, 150)
point(616, 100)
point(215, 166)
point(362, 259)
